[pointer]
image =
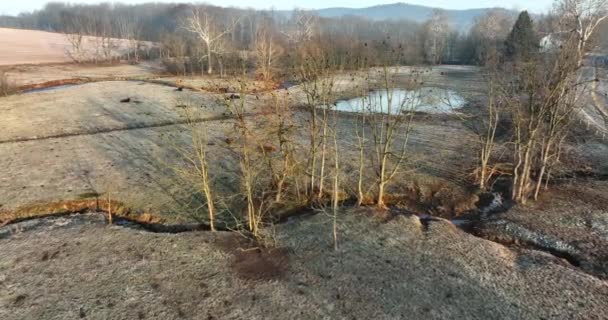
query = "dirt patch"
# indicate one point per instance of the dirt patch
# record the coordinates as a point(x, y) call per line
point(260, 263)
point(252, 261)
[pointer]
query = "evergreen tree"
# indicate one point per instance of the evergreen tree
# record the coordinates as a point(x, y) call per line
point(522, 42)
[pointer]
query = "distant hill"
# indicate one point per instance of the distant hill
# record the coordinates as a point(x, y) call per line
point(460, 19)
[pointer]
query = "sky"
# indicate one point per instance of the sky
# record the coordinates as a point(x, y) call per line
point(14, 7)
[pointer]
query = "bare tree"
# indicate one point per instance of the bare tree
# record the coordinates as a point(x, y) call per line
point(581, 17)
point(284, 129)
point(543, 97)
point(391, 118)
point(487, 135)
point(75, 30)
point(318, 85)
point(220, 51)
point(485, 123)
point(494, 25)
point(200, 164)
point(563, 104)
point(360, 124)
point(129, 28)
point(437, 31)
point(108, 43)
point(277, 129)
point(195, 157)
point(488, 35)
point(267, 52)
point(325, 109)
point(202, 24)
point(256, 183)
point(335, 197)
point(175, 48)
point(304, 27)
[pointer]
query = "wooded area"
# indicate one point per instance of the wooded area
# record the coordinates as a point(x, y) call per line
point(230, 38)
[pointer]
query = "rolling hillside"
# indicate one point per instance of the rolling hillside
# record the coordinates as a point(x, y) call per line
point(460, 19)
point(20, 46)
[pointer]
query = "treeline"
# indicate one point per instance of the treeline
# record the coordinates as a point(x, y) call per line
point(209, 39)
point(355, 39)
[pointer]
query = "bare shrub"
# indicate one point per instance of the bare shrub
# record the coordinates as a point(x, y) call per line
point(256, 188)
point(281, 161)
point(196, 167)
point(391, 123)
point(267, 51)
point(318, 84)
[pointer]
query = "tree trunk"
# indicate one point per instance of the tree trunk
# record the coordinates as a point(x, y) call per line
point(543, 167)
point(335, 193)
point(482, 175)
point(279, 190)
point(209, 65)
point(210, 207)
point(323, 153)
point(360, 178)
point(313, 152)
point(381, 203)
point(383, 179)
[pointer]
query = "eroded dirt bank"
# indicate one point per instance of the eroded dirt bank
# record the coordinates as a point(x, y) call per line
point(570, 221)
point(77, 267)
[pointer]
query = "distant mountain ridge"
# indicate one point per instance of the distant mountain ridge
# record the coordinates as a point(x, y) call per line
point(461, 20)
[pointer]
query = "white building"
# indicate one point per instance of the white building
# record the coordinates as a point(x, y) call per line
point(549, 43)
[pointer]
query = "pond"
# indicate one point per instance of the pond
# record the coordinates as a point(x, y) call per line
point(428, 100)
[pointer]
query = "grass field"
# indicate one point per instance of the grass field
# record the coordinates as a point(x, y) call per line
point(18, 46)
point(65, 142)
point(69, 149)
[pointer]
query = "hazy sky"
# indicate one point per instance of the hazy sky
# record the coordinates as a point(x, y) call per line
point(16, 6)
